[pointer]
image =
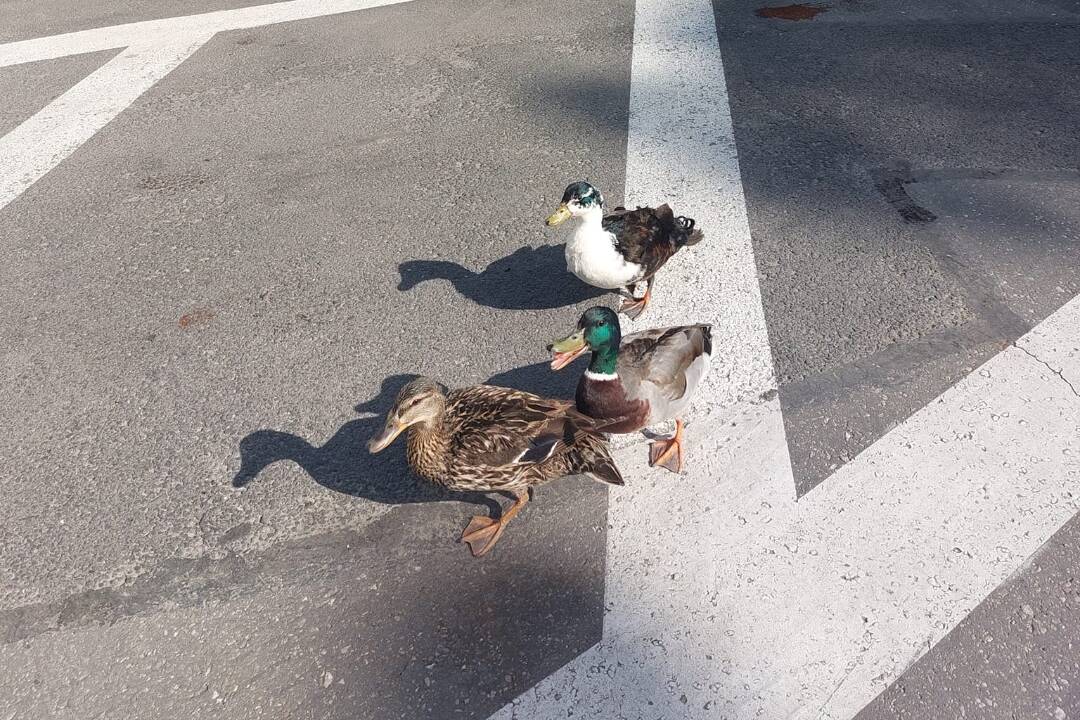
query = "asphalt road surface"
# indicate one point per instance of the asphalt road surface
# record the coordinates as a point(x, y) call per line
point(229, 239)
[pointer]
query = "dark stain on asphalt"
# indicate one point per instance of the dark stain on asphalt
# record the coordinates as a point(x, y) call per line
point(892, 184)
point(197, 316)
point(176, 582)
point(796, 11)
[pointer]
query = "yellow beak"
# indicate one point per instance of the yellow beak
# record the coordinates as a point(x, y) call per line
point(567, 350)
point(558, 217)
point(387, 436)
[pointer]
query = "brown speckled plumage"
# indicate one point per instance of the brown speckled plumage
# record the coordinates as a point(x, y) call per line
point(490, 438)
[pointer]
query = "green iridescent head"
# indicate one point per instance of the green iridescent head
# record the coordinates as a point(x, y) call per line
point(598, 331)
point(578, 199)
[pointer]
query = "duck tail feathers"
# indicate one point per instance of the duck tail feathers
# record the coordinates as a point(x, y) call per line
point(580, 422)
point(607, 473)
point(706, 337)
point(603, 468)
point(688, 234)
point(593, 458)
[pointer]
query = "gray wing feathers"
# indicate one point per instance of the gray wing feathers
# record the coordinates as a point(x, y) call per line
point(665, 366)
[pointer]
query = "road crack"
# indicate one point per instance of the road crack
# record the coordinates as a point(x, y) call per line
point(1049, 367)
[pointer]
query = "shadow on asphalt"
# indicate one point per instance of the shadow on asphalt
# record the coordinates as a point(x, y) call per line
point(419, 632)
point(412, 627)
point(527, 279)
point(343, 463)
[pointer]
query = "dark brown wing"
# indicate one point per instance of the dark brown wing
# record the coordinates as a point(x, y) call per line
point(496, 426)
point(636, 233)
point(649, 236)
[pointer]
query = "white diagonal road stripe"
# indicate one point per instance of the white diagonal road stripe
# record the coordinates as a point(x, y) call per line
point(43, 141)
point(153, 49)
point(167, 29)
point(725, 597)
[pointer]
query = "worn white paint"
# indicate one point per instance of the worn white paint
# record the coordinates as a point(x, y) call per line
point(43, 141)
point(725, 597)
point(151, 50)
point(166, 30)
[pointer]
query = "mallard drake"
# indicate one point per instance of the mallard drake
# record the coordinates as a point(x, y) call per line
point(639, 380)
point(492, 439)
point(620, 250)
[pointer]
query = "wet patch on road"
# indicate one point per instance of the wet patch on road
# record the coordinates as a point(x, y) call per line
point(796, 11)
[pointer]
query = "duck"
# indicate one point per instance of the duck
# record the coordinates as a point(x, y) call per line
point(624, 248)
point(640, 380)
point(485, 439)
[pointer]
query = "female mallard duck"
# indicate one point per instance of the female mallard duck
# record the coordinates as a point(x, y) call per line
point(491, 439)
point(617, 251)
point(640, 380)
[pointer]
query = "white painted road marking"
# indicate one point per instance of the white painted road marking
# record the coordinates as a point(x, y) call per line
point(725, 597)
point(43, 141)
point(167, 29)
point(152, 49)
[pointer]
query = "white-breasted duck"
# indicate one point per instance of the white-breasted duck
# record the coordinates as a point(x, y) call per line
point(639, 380)
point(619, 250)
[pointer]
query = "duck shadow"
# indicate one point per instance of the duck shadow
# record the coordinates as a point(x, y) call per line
point(343, 464)
point(540, 379)
point(527, 279)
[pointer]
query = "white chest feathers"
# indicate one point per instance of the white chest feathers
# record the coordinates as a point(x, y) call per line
point(591, 255)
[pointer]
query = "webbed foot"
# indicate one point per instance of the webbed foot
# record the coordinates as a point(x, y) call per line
point(668, 453)
point(481, 534)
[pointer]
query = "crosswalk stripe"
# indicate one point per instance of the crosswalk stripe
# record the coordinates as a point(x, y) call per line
point(727, 598)
point(152, 49)
point(43, 141)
